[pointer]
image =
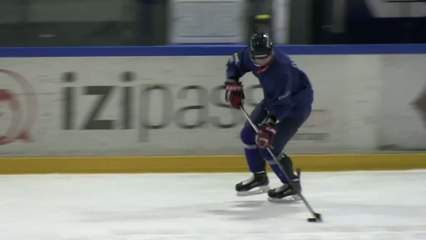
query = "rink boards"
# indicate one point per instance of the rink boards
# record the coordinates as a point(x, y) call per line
point(161, 109)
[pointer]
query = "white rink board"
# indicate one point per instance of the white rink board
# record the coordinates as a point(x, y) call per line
point(401, 126)
point(172, 105)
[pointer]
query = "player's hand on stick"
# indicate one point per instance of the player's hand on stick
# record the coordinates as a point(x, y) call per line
point(266, 134)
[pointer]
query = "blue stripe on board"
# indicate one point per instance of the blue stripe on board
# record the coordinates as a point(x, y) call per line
point(205, 50)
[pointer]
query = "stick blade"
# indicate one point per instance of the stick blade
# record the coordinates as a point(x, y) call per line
point(317, 218)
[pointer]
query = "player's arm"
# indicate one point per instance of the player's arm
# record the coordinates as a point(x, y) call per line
point(237, 66)
point(235, 69)
point(278, 105)
point(280, 102)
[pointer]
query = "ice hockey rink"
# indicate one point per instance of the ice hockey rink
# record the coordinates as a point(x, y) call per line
point(355, 205)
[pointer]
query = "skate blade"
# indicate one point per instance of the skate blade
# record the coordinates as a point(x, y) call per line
point(258, 190)
point(289, 199)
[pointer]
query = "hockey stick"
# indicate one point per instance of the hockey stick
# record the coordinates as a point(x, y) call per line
point(316, 216)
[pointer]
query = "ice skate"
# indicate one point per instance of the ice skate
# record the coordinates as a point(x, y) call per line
point(256, 184)
point(286, 192)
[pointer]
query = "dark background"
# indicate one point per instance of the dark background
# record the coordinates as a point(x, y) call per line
point(145, 22)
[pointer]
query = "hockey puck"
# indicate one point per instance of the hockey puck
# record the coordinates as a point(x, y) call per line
point(317, 218)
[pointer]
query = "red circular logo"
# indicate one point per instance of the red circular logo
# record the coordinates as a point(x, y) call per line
point(18, 106)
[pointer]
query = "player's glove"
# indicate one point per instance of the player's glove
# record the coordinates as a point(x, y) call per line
point(234, 93)
point(266, 133)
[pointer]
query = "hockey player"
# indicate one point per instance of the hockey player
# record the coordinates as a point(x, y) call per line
point(288, 97)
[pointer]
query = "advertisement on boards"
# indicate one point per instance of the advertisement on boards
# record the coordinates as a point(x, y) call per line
point(167, 105)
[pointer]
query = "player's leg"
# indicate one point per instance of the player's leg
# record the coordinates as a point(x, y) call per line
point(286, 129)
point(288, 189)
point(258, 182)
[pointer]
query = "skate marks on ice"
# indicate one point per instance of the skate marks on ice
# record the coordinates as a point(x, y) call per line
point(358, 205)
point(254, 210)
point(254, 219)
point(353, 209)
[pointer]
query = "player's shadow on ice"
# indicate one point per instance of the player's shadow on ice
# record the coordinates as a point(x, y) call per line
point(258, 209)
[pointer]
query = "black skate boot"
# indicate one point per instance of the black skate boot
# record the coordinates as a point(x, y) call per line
point(256, 184)
point(287, 192)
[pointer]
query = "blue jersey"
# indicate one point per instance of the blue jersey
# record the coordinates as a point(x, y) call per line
point(287, 90)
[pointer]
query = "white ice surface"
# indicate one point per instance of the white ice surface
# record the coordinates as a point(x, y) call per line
point(354, 205)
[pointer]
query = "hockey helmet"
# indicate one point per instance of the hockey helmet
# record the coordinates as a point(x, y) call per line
point(260, 45)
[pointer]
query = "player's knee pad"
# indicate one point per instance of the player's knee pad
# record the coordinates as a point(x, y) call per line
point(248, 136)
